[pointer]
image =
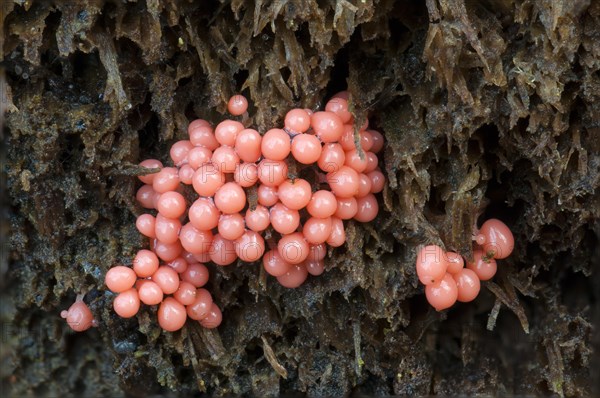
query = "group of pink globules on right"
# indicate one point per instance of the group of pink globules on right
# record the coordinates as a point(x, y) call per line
point(204, 212)
point(444, 274)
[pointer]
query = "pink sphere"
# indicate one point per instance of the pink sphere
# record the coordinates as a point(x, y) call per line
point(327, 126)
point(171, 315)
point(431, 264)
point(120, 278)
point(150, 164)
point(275, 144)
point(297, 121)
point(247, 145)
point(237, 105)
point(295, 276)
point(230, 198)
point(295, 194)
point(306, 148)
point(468, 285)
point(442, 294)
point(499, 239)
point(484, 267)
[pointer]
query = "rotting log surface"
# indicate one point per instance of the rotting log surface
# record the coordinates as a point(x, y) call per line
point(489, 108)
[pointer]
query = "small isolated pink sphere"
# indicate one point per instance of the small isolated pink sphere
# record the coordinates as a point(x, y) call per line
point(78, 316)
point(200, 308)
point(468, 285)
point(250, 246)
point(203, 214)
point(344, 183)
point(213, 319)
point(120, 278)
point(327, 126)
point(150, 164)
point(226, 132)
point(145, 263)
point(338, 233)
point(293, 248)
point(367, 208)
point(230, 198)
point(274, 264)
point(237, 105)
point(322, 204)
point(297, 121)
point(171, 315)
point(499, 239)
point(442, 294)
point(295, 276)
point(247, 145)
point(284, 220)
point(306, 148)
point(432, 264)
point(484, 267)
point(149, 292)
point(275, 144)
point(167, 279)
point(127, 303)
point(295, 194)
point(196, 273)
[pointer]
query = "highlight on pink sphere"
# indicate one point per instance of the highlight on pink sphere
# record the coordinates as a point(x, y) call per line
point(203, 214)
point(327, 126)
point(167, 279)
point(150, 164)
point(367, 208)
point(246, 174)
point(195, 240)
point(207, 180)
point(377, 181)
point(455, 262)
point(145, 223)
point(146, 196)
point(230, 198)
point(180, 264)
point(203, 136)
point(225, 159)
point(378, 141)
point(171, 315)
point(346, 208)
point(198, 156)
point(317, 252)
point(258, 219)
point(167, 229)
point(250, 246)
point(166, 180)
point(442, 294)
point(272, 172)
point(293, 248)
point(120, 278)
point(127, 303)
point(364, 186)
point(366, 140)
point(213, 319)
point(145, 263)
point(332, 158)
point(372, 162)
point(149, 292)
point(78, 316)
point(201, 306)
point(196, 273)
point(186, 174)
point(247, 145)
point(432, 264)
point(322, 204)
point(284, 220)
point(499, 239)
point(297, 121)
point(295, 276)
point(186, 293)
point(306, 148)
point(275, 144)
point(179, 152)
point(338, 233)
point(339, 106)
point(317, 230)
point(171, 204)
point(231, 226)
point(267, 195)
point(314, 267)
point(468, 285)
point(237, 105)
point(344, 183)
point(166, 251)
point(295, 194)
point(353, 159)
point(226, 132)
point(274, 264)
point(222, 251)
point(484, 267)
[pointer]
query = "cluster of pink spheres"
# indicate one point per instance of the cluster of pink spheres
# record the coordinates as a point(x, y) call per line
point(443, 273)
point(219, 225)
